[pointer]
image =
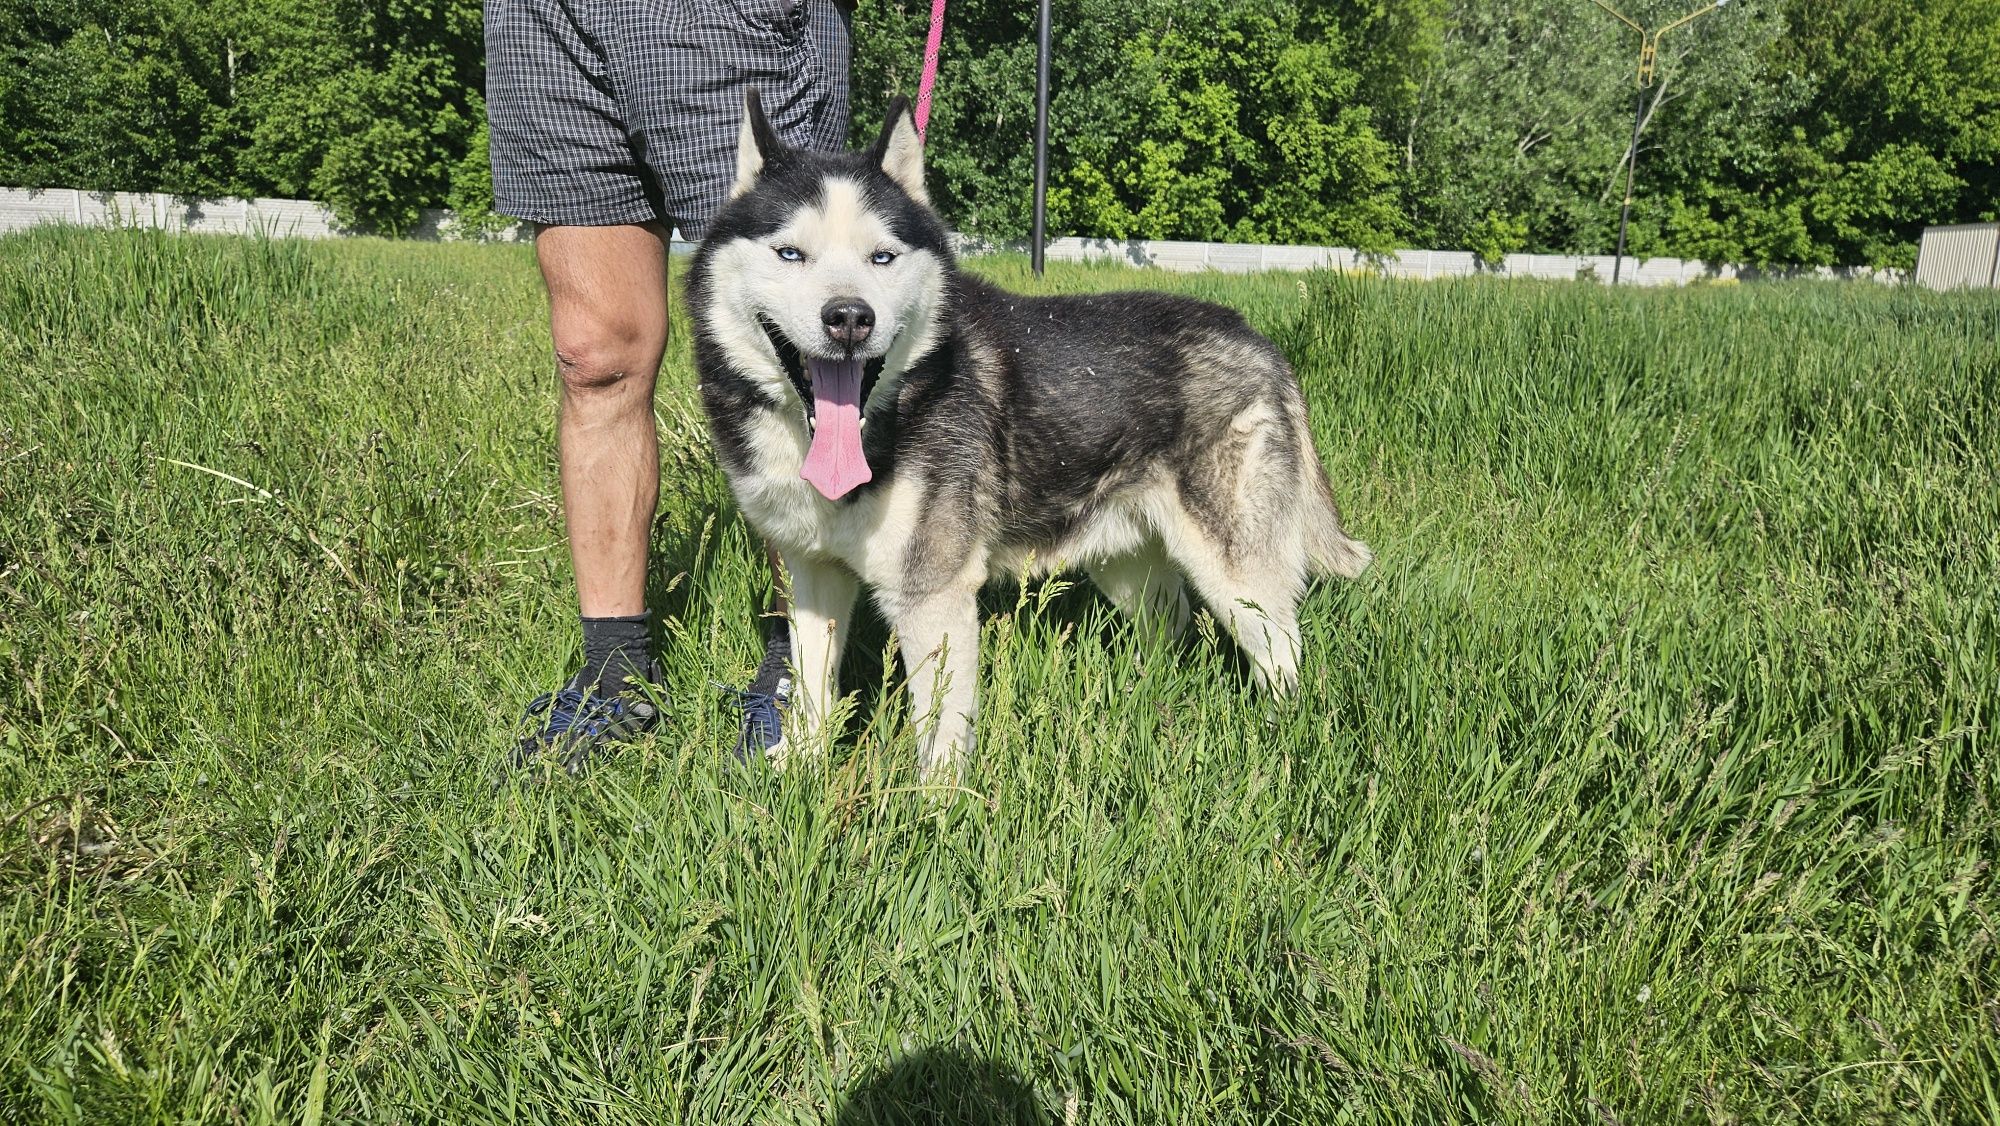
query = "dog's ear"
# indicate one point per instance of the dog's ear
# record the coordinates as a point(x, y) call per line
point(900, 151)
point(756, 143)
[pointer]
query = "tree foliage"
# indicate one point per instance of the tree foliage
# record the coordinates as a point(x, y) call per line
point(1879, 118)
point(367, 105)
point(1779, 130)
point(1201, 119)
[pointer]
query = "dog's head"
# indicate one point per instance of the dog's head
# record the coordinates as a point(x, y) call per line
point(823, 277)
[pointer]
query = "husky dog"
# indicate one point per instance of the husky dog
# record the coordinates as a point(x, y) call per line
point(885, 419)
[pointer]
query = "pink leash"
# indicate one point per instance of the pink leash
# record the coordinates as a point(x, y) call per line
point(931, 48)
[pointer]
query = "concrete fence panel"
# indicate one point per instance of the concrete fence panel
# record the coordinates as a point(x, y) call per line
point(292, 218)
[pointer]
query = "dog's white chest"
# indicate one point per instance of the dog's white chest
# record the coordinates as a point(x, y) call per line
point(796, 518)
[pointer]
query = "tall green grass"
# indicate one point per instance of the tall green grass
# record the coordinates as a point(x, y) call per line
point(1648, 777)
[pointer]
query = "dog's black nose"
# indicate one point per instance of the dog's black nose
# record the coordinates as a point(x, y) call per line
point(848, 320)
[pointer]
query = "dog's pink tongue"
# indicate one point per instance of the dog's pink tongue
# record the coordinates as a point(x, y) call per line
point(835, 465)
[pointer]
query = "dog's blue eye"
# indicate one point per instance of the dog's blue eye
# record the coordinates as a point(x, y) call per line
point(882, 257)
point(791, 254)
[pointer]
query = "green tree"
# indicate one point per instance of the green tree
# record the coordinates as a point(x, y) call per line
point(1780, 131)
point(1523, 117)
point(981, 137)
point(111, 95)
point(1169, 118)
point(1252, 131)
point(1877, 119)
point(368, 105)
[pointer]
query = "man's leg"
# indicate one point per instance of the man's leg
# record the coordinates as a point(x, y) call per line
point(608, 317)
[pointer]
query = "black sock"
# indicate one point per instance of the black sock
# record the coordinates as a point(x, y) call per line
point(616, 649)
point(777, 655)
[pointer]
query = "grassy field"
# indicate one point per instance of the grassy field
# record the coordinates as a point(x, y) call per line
point(1650, 776)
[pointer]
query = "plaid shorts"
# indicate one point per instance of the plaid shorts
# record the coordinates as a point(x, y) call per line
point(605, 112)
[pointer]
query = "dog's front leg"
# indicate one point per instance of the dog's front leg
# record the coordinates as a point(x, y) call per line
point(940, 635)
point(822, 600)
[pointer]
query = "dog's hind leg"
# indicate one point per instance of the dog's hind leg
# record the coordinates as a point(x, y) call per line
point(1251, 572)
point(823, 596)
point(940, 639)
point(1231, 517)
point(1259, 606)
point(1146, 587)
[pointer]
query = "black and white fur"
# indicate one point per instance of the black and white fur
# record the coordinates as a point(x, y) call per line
point(1145, 437)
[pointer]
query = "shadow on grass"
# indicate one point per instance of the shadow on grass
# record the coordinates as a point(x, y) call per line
point(941, 1087)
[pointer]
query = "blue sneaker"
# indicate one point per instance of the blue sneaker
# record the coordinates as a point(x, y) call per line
point(576, 721)
point(763, 704)
point(762, 730)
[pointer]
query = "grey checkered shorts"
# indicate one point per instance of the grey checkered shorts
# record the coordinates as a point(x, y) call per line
point(626, 111)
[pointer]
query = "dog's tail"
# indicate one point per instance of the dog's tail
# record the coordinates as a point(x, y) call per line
point(1331, 550)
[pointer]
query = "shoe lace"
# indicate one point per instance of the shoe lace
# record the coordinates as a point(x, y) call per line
point(762, 714)
point(760, 708)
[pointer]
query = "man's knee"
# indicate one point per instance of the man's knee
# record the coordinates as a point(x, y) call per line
point(607, 306)
point(608, 357)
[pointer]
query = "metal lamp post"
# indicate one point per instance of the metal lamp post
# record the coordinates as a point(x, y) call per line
point(1041, 139)
point(1649, 53)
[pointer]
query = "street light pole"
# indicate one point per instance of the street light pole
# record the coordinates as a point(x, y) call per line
point(1631, 169)
point(1649, 56)
point(1041, 139)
